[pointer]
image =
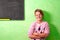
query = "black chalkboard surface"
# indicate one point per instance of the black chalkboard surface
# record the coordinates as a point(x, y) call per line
point(12, 9)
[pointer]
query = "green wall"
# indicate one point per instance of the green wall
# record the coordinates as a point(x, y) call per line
point(17, 29)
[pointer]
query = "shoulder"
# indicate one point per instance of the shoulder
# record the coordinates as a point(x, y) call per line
point(33, 23)
point(45, 22)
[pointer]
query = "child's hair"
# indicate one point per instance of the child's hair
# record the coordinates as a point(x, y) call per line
point(38, 10)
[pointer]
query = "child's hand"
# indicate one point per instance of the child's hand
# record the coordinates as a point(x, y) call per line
point(36, 34)
point(42, 34)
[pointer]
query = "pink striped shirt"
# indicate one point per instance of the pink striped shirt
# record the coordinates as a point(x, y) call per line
point(35, 28)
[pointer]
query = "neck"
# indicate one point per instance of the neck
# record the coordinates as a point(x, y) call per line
point(39, 21)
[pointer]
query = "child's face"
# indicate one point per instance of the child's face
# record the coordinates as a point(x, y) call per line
point(38, 16)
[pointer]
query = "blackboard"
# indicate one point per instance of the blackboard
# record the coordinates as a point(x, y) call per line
point(12, 9)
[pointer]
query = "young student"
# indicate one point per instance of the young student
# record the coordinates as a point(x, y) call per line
point(39, 29)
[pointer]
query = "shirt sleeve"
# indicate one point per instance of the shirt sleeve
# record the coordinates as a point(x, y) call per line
point(46, 28)
point(31, 29)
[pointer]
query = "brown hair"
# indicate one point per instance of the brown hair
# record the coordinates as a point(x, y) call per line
point(38, 10)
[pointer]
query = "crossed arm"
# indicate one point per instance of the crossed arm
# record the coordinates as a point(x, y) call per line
point(38, 35)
